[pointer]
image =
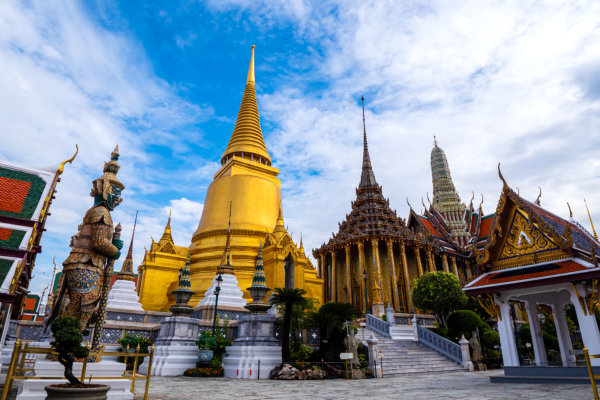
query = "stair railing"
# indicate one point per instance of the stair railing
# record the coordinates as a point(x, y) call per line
point(440, 344)
point(378, 325)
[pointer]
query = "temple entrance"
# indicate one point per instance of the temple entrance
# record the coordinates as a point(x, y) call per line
point(290, 270)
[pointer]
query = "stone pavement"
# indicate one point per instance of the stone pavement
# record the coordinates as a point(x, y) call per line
point(453, 385)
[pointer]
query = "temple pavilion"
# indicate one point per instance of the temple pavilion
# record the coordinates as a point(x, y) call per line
point(373, 240)
point(534, 258)
point(247, 190)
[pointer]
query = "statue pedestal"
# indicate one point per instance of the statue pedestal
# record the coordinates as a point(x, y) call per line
point(34, 388)
point(256, 341)
point(175, 347)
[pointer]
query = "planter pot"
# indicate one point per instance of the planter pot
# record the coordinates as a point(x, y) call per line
point(205, 356)
point(92, 392)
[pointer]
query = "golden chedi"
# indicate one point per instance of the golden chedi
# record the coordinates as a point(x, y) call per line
point(245, 187)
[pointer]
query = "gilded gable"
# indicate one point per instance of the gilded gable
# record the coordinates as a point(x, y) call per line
point(524, 238)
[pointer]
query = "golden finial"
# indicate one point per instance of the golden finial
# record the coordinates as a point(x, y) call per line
point(539, 203)
point(505, 185)
point(434, 141)
point(429, 201)
point(570, 212)
point(251, 68)
point(407, 202)
point(472, 197)
point(70, 160)
point(480, 204)
point(591, 222)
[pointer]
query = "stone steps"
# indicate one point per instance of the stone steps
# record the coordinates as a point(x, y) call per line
point(407, 356)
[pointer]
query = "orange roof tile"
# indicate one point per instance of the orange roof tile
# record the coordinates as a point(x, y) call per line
point(13, 194)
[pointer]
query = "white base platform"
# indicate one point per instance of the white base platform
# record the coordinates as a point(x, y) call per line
point(171, 360)
point(34, 388)
point(230, 295)
point(123, 296)
point(242, 361)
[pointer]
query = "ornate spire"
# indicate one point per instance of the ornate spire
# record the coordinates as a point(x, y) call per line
point(166, 236)
point(183, 293)
point(590, 217)
point(126, 272)
point(225, 267)
point(367, 177)
point(247, 139)
point(259, 288)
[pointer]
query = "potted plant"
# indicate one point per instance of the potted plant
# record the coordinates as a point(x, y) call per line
point(67, 343)
point(133, 341)
point(206, 345)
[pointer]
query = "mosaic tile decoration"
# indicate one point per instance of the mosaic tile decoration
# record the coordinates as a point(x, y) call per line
point(4, 268)
point(11, 238)
point(20, 193)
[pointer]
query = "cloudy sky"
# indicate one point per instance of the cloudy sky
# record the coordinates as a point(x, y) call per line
point(512, 82)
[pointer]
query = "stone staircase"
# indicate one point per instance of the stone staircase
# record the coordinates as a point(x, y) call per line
point(406, 356)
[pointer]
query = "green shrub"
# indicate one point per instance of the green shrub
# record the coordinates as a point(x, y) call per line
point(525, 334)
point(550, 342)
point(490, 339)
point(439, 293)
point(133, 341)
point(300, 353)
point(463, 322)
point(492, 355)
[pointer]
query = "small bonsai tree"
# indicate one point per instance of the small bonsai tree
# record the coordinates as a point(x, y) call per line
point(67, 343)
point(439, 293)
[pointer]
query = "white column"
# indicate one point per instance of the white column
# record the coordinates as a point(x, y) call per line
point(507, 336)
point(562, 332)
point(587, 325)
point(536, 333)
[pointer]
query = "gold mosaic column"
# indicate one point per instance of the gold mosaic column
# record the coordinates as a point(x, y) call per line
point(418, 257)
point(333, 277)
point(324, 275)
point(468, 268)
point(396, 301)
point(348, 275)
point(361, 263)
point(428, 260)
point(375, 248)
point(445, 263)
point(406, 277)
point(455, 268)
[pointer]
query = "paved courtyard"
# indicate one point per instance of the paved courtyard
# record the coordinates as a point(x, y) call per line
point(456, 385)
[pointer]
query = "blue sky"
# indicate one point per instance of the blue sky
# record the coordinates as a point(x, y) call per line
point(495, 82)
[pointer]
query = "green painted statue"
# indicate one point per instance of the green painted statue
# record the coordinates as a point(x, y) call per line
point(93, 248)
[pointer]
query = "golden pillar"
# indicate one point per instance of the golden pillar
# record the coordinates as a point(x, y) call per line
point(468, 268)
point(445, 263)
point(406, 277)
point(348, 275)
point(324, 275)
point(377, 292)
point(333, 277)
point(396, 301)
point(430, 261)
point(455, 268)
point(361, 263)
point(418, 257)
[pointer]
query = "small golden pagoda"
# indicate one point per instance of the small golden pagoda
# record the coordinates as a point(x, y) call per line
point(158, 275)
point(245, 187)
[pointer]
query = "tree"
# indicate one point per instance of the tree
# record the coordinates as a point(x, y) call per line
point(67, 343)
point(330, 321)
point(288, 298)
point(439, 293)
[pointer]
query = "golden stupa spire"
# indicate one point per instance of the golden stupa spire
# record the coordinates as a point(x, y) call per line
point(225, 267)
point(166, 236)
point(247, 139)
point(590, 217)
point(126, 272)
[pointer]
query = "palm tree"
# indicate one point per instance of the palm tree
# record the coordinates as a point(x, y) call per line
point(289, 298)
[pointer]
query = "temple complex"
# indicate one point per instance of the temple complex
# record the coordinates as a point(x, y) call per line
point(245, 187)
point(375, 242)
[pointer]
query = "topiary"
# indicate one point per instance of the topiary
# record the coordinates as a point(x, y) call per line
point(67, 343)
point(490, 339)
point(463, 322)
point(439, 293)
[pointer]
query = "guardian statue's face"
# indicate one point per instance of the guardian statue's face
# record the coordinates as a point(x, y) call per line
point(113, 197)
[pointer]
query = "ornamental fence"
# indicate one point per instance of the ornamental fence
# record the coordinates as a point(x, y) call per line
point(22, 363)
point(440, 344)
